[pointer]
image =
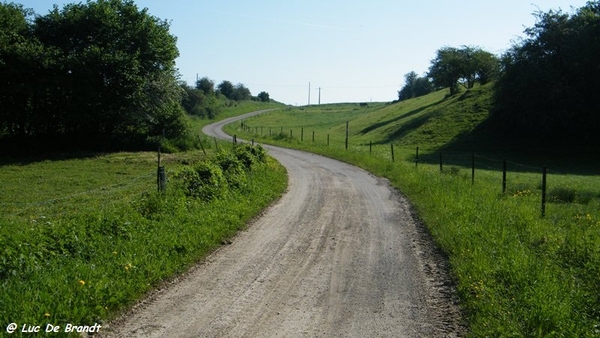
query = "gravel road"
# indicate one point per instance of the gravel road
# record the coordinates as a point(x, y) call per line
point(341, 254)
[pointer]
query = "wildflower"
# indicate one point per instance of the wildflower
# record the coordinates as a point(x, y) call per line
point(46, 314)
point(81, 282)
point(128, 266)
point(114, 252)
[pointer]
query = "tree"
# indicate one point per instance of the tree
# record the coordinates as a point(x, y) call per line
point(445, 69)
point(550, 79)
point(414, 86)
point(226, 88)
point(195, 102)
point(241, 93)
point(20, 55)
point(206, 85)
point(263, 97)
point(90, 74)
point(462, 66)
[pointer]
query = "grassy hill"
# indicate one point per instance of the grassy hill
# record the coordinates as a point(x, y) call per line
point(517, 273)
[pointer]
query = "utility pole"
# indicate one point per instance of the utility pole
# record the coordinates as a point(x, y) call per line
point(309, 93)
point(319, 95)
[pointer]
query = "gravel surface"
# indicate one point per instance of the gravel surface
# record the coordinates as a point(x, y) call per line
point(341, 254)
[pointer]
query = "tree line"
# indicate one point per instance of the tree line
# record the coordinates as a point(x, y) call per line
point(204, 99)
point(99, 74)
point(544, 86)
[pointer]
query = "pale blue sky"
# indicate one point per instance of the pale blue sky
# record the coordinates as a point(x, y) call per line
point(356, 51)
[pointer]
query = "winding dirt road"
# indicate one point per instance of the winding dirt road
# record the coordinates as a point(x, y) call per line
point(339, 255)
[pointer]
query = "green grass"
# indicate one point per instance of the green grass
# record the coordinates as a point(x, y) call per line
point(517, 274)
point(82, 238)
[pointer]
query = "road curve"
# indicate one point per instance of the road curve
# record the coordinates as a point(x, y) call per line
point(341, 254)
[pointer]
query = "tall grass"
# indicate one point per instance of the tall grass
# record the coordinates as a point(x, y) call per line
point(517, 273)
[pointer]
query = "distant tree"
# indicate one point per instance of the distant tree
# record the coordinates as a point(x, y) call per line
point(241, 93)
point(445, 69)
point(206, 85)
point(226, 88)
point(263, 97)
point(487, 66)
point(414, 86)
point(195, 102)
point(462, 66)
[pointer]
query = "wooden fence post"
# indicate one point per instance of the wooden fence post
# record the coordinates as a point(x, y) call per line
point(417, 158)
point(544, 192)
point(392, 146)
point(370, 147)
point(441, 163)
point(201, 145)
point(347, 135)
point(504, 176)
point(301, 134)
point(472, 168)
point(328, 140)
point(161, 177)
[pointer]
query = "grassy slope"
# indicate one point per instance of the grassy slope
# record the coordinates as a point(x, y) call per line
point(517, 274)
point(82, 237)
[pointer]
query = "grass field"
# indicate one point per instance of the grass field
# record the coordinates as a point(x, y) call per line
point(517, 273)
point(84, 236)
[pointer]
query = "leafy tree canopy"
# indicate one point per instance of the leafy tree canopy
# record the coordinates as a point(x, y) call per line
point(453, 67)
point(99, 72)
point(414, 86)
point(550, 80)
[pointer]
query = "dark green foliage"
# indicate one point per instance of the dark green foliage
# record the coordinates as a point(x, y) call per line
point(206, 85)
point(549, 86)
point(204, 180)
point(233, 168)
point(263, 97)
point(200, 102)
point(226, 89)
point(250, 155)
point(239, 92)
point(97, 74)
point(228, 170)
point(414, 86)
point(462, 66)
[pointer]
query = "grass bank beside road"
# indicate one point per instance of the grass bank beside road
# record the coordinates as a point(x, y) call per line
point(82, 238)
point(517, 273)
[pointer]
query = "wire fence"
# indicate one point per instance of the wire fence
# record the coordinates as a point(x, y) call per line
point(105, 195)
point(514, 178)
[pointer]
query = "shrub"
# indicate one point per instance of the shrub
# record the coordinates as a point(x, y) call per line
point(204, 180)
point(232, 168)
point(250, 155)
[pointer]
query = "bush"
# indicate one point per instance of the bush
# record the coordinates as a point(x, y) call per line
point(250, 155)
point(233, 169)
point(204, 180)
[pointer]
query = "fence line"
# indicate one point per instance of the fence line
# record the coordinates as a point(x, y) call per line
point(463, 159)
point(18, 208)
